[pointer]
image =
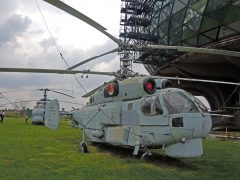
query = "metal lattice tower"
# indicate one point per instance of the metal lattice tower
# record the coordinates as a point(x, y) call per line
point(134, 23)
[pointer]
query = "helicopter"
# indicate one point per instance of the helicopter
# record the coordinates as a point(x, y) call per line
point(144, 112)
point(134, 110)
point(38, 111)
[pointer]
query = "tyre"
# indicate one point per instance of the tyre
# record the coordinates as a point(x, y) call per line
point(83, 147)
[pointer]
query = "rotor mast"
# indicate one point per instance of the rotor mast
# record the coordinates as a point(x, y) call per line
point(45, 94)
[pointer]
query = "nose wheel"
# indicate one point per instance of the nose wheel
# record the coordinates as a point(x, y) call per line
point(83, 147)
point(147, 153)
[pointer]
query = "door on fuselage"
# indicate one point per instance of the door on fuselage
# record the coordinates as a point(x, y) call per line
point(154, 122)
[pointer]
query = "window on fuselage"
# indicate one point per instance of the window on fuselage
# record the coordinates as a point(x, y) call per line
point(178, 102)
point(130, 106)
point(151, 106)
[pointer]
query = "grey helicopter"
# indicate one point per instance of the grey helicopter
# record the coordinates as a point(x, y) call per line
point(137, 111)
point(38, 112)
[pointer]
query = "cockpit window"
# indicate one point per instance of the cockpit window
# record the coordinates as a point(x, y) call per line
point(201, 105)
point(178, 102)
point(151, 106)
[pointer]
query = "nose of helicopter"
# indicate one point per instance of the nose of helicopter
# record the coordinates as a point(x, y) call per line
point(195, 125)
point(202, 126)
point(191, 128)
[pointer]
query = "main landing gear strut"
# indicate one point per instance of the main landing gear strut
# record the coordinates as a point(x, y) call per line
point(83, 144)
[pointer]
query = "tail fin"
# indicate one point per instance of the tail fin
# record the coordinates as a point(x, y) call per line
point(52, 114)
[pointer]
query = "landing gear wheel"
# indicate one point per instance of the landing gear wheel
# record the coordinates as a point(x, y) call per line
point(83, 147)
point(146, 154)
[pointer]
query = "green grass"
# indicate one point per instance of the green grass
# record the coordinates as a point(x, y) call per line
point(35, 152)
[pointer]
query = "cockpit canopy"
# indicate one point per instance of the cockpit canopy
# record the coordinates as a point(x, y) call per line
point(174, 102)
point(151, 106)
point(178, 102)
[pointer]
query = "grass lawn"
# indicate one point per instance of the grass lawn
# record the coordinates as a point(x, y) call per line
point(35, 152)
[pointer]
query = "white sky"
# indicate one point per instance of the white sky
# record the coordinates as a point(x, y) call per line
point(25, 42)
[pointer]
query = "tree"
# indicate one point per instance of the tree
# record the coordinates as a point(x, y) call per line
point(21, 107)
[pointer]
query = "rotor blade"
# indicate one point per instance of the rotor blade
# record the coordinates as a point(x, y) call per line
point(42, 89)
point(9, 101)
point(20, 102)
point(196, 50)
point(61, 5)
point(46, 89)
point(198, 80)
point(92, 91)
point(92, 58)
point(62, 93)
point(56, 71)
point(68, 102)
point(222, 115)
point(71, 102)
point(13, 91)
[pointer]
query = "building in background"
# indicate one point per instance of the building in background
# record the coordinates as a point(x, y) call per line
point(192, 23)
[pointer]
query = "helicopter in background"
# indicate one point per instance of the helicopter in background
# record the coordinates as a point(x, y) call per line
point(132, 110)
point(38, 112)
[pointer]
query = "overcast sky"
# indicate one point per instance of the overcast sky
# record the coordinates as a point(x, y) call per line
point(25, 42)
